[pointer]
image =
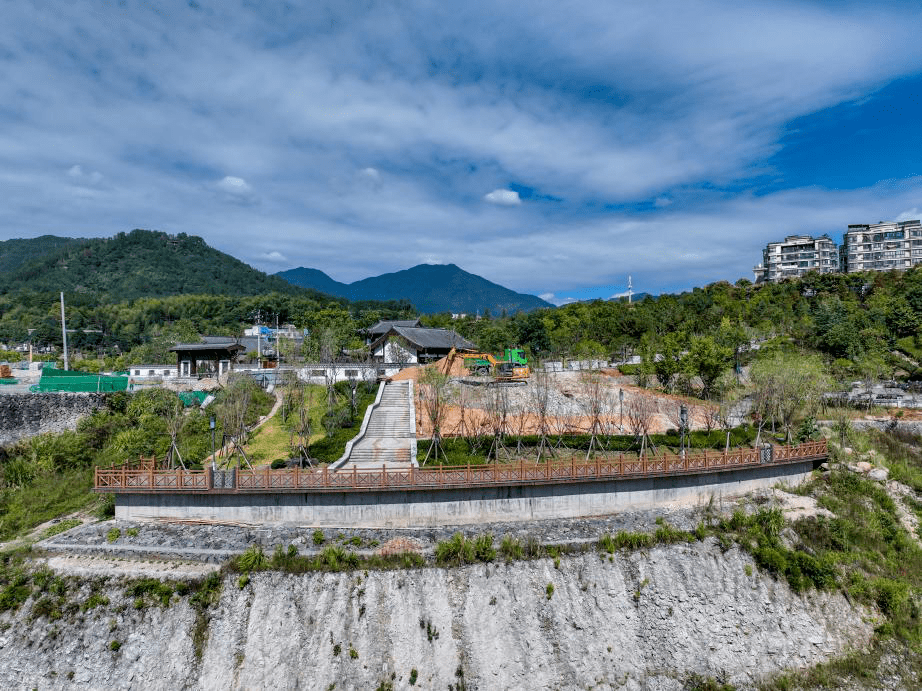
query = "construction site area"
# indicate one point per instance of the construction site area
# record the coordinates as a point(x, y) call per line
point(594, 400)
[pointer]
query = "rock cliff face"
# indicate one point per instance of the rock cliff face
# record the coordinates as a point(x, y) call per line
point(645, 620)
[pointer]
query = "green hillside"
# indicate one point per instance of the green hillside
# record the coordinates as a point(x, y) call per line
point(14, 254)
point(141, 263)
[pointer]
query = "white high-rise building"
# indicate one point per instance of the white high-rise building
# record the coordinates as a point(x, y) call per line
point(882, 246)
point(797, 255)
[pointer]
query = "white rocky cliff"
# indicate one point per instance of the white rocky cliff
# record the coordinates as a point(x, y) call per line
point(644, 620)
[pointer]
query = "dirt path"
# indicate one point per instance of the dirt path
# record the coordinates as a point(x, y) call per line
point(80, 565)
point(38, 531)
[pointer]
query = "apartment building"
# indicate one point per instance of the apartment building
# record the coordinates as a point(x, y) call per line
point(881, 246)
point(797, 255)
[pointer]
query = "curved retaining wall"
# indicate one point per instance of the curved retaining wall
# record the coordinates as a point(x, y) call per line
point(24, 415)
point(424, 508)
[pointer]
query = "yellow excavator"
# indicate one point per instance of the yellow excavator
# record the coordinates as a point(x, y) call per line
point(511, 366)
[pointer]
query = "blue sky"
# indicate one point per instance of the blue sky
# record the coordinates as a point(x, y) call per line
point(555, 148)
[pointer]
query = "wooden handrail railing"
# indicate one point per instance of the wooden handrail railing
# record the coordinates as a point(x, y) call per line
point(548, 472)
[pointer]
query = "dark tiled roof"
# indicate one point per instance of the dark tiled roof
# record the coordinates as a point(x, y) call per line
point(248, 342)
point(422, 337)
point(382, 327)
point(198, 347)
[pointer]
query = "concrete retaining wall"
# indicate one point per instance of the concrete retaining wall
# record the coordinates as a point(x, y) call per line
point(424, 508)
point(27, 414)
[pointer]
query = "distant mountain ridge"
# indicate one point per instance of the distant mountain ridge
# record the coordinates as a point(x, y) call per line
point(431, 288)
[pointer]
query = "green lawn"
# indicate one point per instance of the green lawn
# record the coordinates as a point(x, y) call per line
point(46, 497)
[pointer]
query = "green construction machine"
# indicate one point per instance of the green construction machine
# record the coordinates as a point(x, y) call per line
point(512, 365)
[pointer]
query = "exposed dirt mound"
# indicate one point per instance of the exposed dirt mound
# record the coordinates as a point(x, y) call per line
point(452, 365)
point(399, 545)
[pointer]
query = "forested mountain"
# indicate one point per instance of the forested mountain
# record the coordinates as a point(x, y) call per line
point(431, 288)
point(141, 263)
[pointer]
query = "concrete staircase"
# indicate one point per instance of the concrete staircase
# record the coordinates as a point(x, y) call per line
point(389, 436)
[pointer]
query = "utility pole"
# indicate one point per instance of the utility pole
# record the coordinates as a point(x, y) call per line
point(621, 399)
point(214, 465)
point(64, 334)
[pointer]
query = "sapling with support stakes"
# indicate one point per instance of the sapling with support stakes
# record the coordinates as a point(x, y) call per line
point(640, 410)
point(174, 422)
point(498, 411)
point(539, 402)
point(433, 387)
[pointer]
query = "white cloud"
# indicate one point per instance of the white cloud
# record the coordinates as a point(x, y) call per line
point(80, 177)
point(232, 185)
point(371, 174)
point(274, 257)
point(236, 190)
point(503, 197)
point(662, 202)
point(554, 300)
point(910, 215)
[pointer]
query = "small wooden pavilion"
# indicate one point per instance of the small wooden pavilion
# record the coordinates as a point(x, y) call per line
point(215, 359)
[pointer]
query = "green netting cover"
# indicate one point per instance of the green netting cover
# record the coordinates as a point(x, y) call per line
point(192, 397)
point(78, 382)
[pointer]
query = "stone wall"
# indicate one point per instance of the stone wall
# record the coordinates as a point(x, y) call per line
point(28, 414)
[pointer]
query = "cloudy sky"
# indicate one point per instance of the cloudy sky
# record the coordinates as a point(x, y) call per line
point(553, 147)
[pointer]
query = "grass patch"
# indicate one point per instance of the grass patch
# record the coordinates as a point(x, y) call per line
point(269, 443)
point(60, 527)
point(459, 550)
point(46, 497)
point(332, 558)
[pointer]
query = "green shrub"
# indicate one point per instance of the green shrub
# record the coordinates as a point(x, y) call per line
point(46, 607)
point(113, 535)
point(771, 560)
point(623, 539)
point(318, 537)
point(16, 592)
point(151, 587)
point(511, 548)
point(457, 550)
point(253, 559)
point(95, 600)
point(483, 548)
point(106, 508)
point(892, 597)
point(335, 558)
point(115, 646)
point(413, 677)
point(549, 590)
